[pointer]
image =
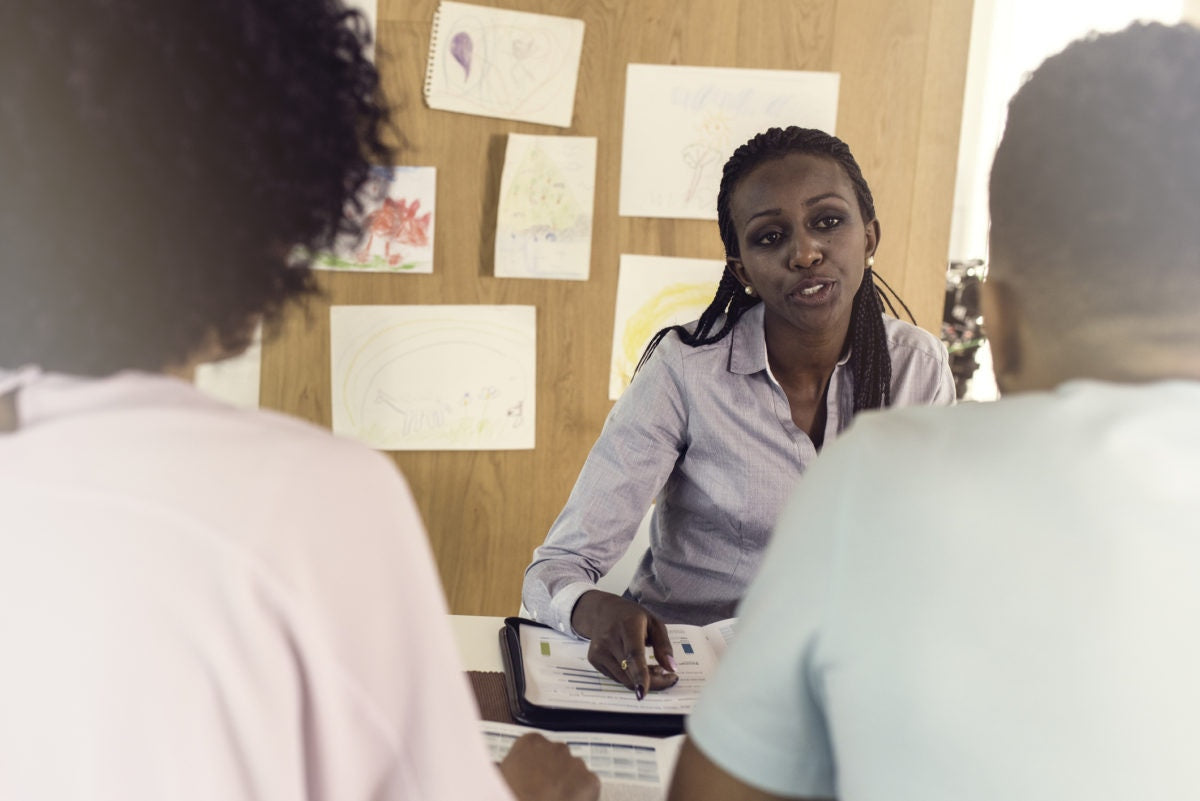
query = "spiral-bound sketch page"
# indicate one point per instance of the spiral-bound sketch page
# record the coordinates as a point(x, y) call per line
point(496, 62)
point(434, 378)
point(544, 217)
point(652, 293)
point(682, 123)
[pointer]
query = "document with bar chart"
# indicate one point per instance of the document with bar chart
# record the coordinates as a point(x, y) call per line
point(558, 674)
point(630, 767)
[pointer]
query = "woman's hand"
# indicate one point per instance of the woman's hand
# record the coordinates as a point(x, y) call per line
point(620, 630)
point(539, 770)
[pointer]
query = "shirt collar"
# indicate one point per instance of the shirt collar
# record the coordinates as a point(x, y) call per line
point(748, 353)
point(43, 396)
point(13, 380)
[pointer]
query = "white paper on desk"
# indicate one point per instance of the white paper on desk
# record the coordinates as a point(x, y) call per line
point(419, 378)
point(558, 674)
point(544, 217)
point(652, 293)
point(496, 62)
point(630, 767)
point(683, 123)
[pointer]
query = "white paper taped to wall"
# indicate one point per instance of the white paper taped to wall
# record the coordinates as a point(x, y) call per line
point(495, 62)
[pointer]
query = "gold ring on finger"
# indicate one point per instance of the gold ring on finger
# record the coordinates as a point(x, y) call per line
point(624, 664)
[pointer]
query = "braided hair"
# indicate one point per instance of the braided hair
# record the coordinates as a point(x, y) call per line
point(870, 360)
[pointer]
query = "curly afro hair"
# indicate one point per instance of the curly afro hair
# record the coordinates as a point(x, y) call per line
point(166, 167)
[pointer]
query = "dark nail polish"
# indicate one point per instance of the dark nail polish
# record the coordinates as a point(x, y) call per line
point(639, 692)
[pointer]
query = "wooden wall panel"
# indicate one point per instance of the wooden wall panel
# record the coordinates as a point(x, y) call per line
point(902, 64)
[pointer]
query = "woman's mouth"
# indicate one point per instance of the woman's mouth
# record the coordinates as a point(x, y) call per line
point(812, 293)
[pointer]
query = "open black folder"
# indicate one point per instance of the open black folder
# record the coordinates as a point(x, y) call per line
point(610, 708)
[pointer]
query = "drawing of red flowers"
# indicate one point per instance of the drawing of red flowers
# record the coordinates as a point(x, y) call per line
point(396, 223)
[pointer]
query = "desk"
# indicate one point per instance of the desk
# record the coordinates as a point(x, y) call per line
point(478, 639)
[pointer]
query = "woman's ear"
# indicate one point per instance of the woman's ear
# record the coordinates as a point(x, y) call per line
point(873, 234)
point(1001, 323)
point(735, 266)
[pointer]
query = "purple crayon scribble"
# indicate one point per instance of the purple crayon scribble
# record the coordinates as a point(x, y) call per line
point(461, 47)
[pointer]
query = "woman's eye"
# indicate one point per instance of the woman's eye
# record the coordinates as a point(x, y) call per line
point(769, 238)
point(827, 222)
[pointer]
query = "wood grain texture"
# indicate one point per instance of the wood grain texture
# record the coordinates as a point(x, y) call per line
point(902, 64)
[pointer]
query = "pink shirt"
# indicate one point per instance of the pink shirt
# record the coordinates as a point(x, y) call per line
point(210, 603)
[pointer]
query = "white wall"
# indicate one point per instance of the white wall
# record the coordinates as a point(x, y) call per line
point(1009, 39)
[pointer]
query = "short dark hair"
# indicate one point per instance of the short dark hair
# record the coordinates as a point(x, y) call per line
point(167, 167)
point(871, 361)
point(1095, 187)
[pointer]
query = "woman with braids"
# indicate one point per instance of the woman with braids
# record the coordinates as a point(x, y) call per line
point(725, 414)
point(197, 601)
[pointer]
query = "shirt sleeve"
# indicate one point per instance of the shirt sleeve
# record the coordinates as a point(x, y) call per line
point(642, 439)
point(921, 374)
point(944, 393)
point(762, 716)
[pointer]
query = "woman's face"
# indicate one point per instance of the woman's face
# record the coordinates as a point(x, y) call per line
point(803, 241)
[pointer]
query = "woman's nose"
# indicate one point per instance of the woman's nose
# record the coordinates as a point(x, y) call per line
point(806, 252)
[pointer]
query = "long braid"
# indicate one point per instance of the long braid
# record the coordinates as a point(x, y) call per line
point(870, 360)
point(730, 301)
point(868, 342)
point(891, 308)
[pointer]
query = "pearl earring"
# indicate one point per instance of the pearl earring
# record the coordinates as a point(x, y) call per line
point(870, 262)
point(750, 291)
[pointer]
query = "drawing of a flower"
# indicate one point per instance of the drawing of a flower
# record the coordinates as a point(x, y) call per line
point(396, 222)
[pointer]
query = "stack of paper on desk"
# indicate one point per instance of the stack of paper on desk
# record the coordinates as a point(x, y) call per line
point(630, 767)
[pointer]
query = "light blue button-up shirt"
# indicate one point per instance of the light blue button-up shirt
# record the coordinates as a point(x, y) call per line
point(709, 431)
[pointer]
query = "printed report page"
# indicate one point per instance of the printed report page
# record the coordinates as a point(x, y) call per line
point(558, 674)
point(630, 767)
